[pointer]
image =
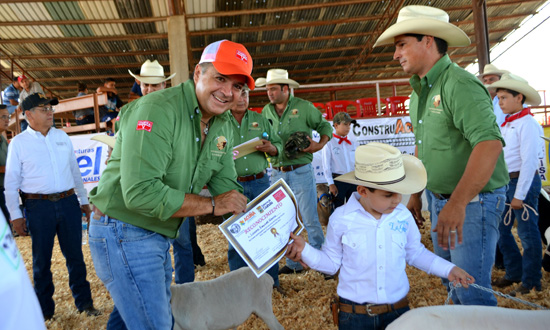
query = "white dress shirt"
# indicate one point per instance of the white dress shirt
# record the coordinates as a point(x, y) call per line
point(338, 158)
point(39, 164)
point(372, 254)
point(523, 149)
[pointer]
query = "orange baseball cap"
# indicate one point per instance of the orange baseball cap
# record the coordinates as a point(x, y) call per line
point(21, 77)
point(229, 58)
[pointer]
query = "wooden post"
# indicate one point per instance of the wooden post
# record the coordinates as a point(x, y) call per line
point(481, 32)
point(177, 41)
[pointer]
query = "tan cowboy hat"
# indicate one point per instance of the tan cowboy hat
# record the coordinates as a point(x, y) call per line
point(276, 76)
point(151, 73)
point(491, 69)
point(108, 140)
point(381, 166)
point(516, 83)
point(424, 20)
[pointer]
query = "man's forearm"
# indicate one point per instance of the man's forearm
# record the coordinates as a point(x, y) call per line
point(194, 205)
point(479, 169)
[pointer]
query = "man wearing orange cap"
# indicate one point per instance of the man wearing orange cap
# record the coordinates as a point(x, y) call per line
point(160, 162)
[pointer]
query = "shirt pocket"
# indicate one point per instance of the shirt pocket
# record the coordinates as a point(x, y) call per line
point(436, 131)
point(354, 248)
point(399, 241)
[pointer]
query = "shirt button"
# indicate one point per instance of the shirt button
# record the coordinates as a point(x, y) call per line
point(380, 288)
point(420, 121)
point(244, 157)
point(380, 267)
point(280, 123)
point(279, 132)
point(430, 85)
point(353, 244)
point(191, 116)
point(197, 110)
point(197, 139)
point(379, 246)
point(419, 141)
point(246, 169)
point(242, 137)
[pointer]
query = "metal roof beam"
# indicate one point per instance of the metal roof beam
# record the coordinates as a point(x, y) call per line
point(86, 39)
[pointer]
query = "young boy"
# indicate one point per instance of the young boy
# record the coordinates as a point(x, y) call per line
point(521, 133)
point(372, 237)
point(338, 155)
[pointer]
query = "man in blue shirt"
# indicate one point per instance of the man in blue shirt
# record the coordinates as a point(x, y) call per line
point(11, 95)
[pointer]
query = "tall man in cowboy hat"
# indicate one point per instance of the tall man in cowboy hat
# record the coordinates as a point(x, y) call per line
point(160, 162)
point(492, 74)
point(291, 115)
point(458, 141)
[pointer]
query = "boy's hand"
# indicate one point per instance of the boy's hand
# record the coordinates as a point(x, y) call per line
point(459, 275)
point(294, 251)
point(516, 204)
point(333, 190)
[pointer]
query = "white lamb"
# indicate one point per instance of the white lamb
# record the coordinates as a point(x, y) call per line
point(459, 317)
point(223, 303)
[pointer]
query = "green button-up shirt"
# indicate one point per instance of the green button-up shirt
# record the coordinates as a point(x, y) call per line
point(299, 115)
point(158, 158)
point(451, 112)
point(253, 125)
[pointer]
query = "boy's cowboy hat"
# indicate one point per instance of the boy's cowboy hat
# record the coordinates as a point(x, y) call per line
point(107, 139)
point(151, 73)
point(424, 20)
point(277, 76)
point(384, 167)
point(516, 83)
point(491, 69)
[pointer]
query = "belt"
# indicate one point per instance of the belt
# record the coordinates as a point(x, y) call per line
point(289, 168)
point(442, 196)
point(373, 309)
point(250, 177)
point(51, 197)
point(515, 175)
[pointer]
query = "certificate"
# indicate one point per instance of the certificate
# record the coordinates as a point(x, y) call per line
point(261, 234)
point(247, 147)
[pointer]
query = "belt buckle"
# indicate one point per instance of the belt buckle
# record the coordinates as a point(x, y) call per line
point(369, 312)
point(54, 197)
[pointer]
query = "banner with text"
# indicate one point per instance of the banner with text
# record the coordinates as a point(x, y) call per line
point(90, 157)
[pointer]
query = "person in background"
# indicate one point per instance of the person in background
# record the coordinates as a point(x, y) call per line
point(110, 110)
point(135, 92)
point(292, 117)
point(523, 148)
point(459, 143)
point(84, 116)
point(11, 95)
point(251, 168)
point(4, 122)
point(492, 74)
point(338, 156)
point(41, 164)
point(371, 239)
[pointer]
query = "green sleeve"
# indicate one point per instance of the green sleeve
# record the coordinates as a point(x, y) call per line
point(273, 137)
point(145, 157)
point(316, 121)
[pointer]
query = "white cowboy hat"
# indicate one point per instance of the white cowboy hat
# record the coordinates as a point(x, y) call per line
point(277, 76)
point(424, 20)
point(151, 73)
point(381, 166)
point(108, 140)
point(491, 69)
point(517, 84)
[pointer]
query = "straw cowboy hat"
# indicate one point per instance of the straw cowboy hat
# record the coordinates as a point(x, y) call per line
point(491, 69)
point(381, 166)
point(424, 20)
point(277, 76)
point(108, 140)
point(151, 73)
point(517, 84)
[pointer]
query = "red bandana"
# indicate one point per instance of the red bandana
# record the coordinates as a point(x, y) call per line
point(342, 139)
point(522, 113)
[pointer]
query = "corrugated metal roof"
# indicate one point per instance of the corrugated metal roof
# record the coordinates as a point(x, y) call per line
point(325, 35)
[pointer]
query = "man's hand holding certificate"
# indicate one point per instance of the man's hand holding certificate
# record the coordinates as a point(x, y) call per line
point(261, 234)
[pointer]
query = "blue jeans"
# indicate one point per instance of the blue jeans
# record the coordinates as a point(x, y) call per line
point(344, 192)
point(45, 219)
point(302, 183)
point(351, 321)
point(526, 269)
point(135, 266)
point(251, 190)
point(476, 254)
point(183, 255)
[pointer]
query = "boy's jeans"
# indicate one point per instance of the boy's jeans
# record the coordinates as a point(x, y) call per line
point(476, 254)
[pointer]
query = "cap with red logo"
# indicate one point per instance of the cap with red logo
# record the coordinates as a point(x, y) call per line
point(21, 77)
point(229, 58)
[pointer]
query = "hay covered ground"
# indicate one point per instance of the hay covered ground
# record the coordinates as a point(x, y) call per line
point(304, 306)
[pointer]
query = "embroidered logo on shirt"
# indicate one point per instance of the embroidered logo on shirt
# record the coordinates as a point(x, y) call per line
point(254, 124)
point(294, 111)
point(436, 100)
point(144, 125)
point(222, 142)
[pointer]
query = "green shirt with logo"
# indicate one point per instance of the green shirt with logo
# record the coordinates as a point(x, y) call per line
point(451, 112)
point(158, 158)
point(253, 125)
point(299, 115)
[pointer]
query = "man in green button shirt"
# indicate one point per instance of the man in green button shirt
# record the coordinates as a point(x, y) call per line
point(290, 114)
point(459, 143)
point(251, 172)
point(168, 148)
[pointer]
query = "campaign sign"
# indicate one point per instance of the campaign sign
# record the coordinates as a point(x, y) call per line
point(90, 157)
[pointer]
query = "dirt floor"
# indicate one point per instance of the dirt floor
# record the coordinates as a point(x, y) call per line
point(304, 306)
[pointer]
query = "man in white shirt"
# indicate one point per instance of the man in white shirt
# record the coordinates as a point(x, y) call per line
point(42, 166)
point(492, 74)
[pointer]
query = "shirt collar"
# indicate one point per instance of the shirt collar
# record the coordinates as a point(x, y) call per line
point(431, 77)
point(34, 133)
